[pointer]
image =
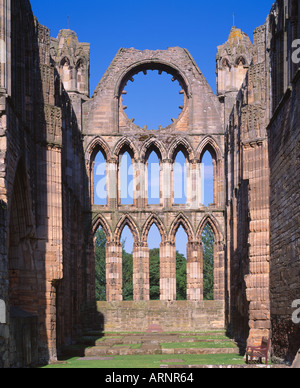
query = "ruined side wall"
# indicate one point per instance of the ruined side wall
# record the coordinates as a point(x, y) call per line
point(22, 244)
point(284, 138)
point(4, 88)
point(284, 158)
point(40, 156)
point(70, 61)
point(248, 201)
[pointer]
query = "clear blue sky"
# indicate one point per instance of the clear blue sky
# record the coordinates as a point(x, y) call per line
point(198, 26)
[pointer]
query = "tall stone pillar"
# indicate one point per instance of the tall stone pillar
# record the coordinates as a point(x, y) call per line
point(114, 290)
point(194, 271)
point(168, 271)
point(140, 185)
point(219, 271)
point(219, 183)
point(112, 179)
point(194, 185)
point(257, 281)
point(141, 286)
point(48, 335)
point(166, 186)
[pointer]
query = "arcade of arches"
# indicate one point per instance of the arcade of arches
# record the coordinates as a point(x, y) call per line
point(193, 222)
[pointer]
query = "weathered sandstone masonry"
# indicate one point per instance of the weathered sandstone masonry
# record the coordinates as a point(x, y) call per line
point(106, 128)
point(169, 316)
point(247, 193)
point(284, 160)
point(39, 143)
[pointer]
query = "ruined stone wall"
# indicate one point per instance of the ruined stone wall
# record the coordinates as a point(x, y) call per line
point(284, 156)
point(284, 137)
point(4, 88)
point(70, 60)
point(22, 289)
point(248, 201)
point(38, 126)
point(170, 316)
point(198, 128)
point(263, 188)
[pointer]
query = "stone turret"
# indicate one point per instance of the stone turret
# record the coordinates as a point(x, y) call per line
point(233, 60)
point(72, 61)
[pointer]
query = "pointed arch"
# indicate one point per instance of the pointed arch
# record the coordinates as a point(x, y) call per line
point(218, 254)
point(80, 62)
point(127, 180)
point(241, 60)
point(181, 220)
point(181, 144)
point(65, 60)
point(225, 63)
point(152, 155)
point(96, 145)
point(126, 220)
point(215, 227)
point(208, 144)
point(125, 145)
point(65, 70)
point(151, 145)
point(154, 220)
point(100, 221)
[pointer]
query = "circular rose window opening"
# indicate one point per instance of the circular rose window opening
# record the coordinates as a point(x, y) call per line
point(153, 99)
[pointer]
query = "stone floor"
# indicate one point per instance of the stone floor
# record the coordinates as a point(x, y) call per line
point(104, 347)
point(153, 343)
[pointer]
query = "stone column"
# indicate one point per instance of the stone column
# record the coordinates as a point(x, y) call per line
point(112, 180)
point(48, 335)
point(166, 184)
point(256, 169)
point(219, 271)
point(140, 185)
point(167, 271)
point(215, 194)
point(194, 271)
point(114, 290)
point(141, 286)
point(50, 213)
point(194, 185)
point(219, 183)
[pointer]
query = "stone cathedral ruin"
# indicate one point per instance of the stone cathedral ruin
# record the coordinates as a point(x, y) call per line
point(51, 131)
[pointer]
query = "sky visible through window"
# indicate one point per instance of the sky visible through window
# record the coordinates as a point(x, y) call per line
point(153, 172)
point(195, 25)
point(153, 99)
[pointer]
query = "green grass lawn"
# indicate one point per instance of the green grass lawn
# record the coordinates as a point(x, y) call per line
point(202, 345)
point(152, 361)
point(213, 340)
point(131, 346)
point(221, 337)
